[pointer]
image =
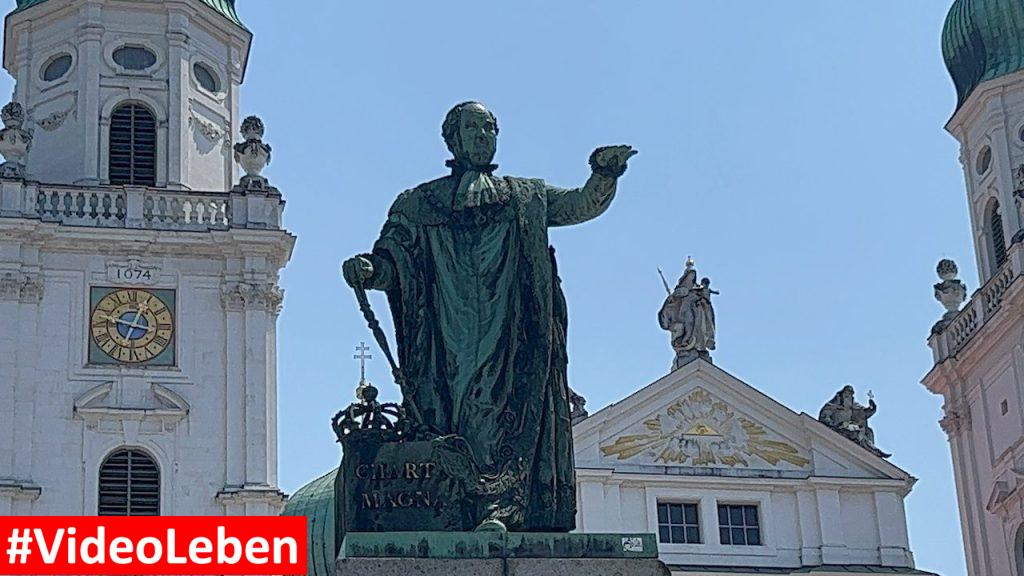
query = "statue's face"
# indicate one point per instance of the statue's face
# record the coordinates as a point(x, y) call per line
point(478, 136)
point(848, 395)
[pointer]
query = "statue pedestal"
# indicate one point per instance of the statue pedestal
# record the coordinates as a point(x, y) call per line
point(498, 554)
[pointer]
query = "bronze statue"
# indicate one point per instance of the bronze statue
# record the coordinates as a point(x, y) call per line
point(480, 317)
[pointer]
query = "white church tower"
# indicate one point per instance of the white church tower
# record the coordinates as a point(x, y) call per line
point(138, 275)
point(979, 346)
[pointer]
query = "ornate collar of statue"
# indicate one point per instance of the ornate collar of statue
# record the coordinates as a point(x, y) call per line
point(476, 186)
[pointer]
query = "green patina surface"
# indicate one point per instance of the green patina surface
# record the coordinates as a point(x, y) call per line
point(225, 7)
point(315, 501)
point(483, 545)
point(983, 40)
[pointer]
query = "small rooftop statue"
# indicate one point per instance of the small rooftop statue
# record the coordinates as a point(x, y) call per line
point(951, 292)
point(253, 155)
point(690, 317)
point(15, 141)
point(844, 415)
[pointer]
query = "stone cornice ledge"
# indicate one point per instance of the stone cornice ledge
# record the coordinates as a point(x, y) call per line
point(250, 494)
point(20, 490)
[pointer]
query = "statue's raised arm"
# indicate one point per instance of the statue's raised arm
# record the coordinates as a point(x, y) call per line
point(577, 205)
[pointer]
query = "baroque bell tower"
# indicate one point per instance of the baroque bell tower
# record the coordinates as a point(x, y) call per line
point(978, 346)
point(139, 289)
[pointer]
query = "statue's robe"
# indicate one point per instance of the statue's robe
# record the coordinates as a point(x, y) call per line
point(481, 324)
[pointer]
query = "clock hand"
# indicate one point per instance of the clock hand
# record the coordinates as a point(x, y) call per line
point(135, 323)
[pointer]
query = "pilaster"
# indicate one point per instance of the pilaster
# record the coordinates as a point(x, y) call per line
point(253, 306)
point(810, 528)
point(833, 546)
point(90, 60)
point(179, 72)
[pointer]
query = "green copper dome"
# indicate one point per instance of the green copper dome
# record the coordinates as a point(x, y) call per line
point(225, 7)
point(983, 40)
point(315, 501)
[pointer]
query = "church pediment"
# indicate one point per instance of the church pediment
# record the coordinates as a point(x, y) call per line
point(702, 429)
point(701, 420)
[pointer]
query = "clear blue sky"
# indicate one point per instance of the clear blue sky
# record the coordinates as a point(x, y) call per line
point(794, 149)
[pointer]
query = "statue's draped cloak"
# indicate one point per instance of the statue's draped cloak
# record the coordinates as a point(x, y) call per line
point(480, 320)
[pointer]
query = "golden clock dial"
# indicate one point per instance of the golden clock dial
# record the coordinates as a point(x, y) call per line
point(132, 326)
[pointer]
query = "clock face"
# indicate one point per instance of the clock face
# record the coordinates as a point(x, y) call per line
point(132, 326)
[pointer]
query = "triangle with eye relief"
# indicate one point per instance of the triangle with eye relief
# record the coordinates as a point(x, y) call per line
point(700, 417)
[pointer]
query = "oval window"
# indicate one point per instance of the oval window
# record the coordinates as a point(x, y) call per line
point(205, 77)
point(57, 67)
point(984, 160)
point(134, 58)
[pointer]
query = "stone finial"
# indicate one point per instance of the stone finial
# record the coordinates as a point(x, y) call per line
point(253, 155)
point(689, 317)
point(850, 419)
point(951, 292)
point(15, 141)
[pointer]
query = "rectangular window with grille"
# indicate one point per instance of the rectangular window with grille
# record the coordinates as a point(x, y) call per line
point(678, 524)
point(739, 525)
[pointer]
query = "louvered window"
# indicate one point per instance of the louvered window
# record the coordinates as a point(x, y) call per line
point(133, 146)
point(129, 485)
point(998, 238)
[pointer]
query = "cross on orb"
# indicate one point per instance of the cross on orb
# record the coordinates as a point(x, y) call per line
point(362, 356)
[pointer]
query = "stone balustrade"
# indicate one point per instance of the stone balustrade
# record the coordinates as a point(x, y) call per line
point(140, 207)
point(950, 337)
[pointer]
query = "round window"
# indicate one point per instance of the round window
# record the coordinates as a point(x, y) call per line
point(57, 67)
point(984, 160)
point(205, 77)
point(134, 58)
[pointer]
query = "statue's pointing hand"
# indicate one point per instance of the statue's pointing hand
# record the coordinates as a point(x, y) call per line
point(610, 161)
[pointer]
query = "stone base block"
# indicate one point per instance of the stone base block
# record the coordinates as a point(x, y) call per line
point(501, 567)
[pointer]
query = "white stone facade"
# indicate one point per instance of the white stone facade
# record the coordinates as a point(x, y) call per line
point(210, 420)
point(979, 353)
point(700, 436)
point(992, 119)
point(195, 127)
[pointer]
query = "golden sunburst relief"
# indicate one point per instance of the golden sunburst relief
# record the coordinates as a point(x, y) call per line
point(702, 431)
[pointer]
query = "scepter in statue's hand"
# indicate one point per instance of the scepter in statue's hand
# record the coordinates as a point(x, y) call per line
point(664, 282)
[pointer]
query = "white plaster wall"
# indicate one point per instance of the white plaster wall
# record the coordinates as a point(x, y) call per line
point(987, 445)
point(863, 521)
point(44, 371)
point(75, 151)
point(993, 116)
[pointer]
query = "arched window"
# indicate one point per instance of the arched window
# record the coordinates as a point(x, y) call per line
point(997, 239)
point(133, 146)
point(129, 485)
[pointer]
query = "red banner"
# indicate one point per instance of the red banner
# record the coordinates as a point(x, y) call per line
point(234, 545)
